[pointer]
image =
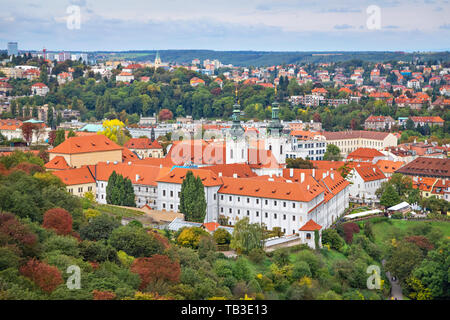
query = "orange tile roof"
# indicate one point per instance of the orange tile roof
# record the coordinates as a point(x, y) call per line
point(177, 175)
point(57, 163)
point(271, 189)
point(389, 166)
point(211, 226)
point(10, 124)
point(228, 170)
point(94, 143)
point(138, 174)
point(364, 154)
point(311, 225)
point(128, 155)
point(75, 176)
point(142, 143)
point(327, 165)
point(370, 173)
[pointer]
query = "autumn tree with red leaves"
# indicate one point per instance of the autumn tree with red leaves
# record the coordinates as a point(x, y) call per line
point(165, 114)
point(59, 220)
point(13, 232)
point(421, 241)
point(45, 276)
point(349, 229)
point(27, 131)
point(158, 267)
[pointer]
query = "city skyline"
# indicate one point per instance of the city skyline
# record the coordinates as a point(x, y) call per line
point(255, 25)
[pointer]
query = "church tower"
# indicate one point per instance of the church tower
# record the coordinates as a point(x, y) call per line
point(236, 145)
point(275, 140)
point(157, 60)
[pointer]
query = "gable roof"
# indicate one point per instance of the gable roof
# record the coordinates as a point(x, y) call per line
point(84, 144)
point(142, 143)
point(370, 173)
point(365, 154)
point(389, 166)
point(75, 176)
point(271, 189)
point(424, 166)
point(57, 163)
point(177, 175)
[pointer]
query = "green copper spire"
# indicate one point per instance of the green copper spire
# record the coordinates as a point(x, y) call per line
point(275, 127)
point(236, 128)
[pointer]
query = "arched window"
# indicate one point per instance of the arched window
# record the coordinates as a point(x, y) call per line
point(308, 236)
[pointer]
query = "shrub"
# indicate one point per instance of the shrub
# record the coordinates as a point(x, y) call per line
point(349, 229)
point(158, 267)
point(332, 238)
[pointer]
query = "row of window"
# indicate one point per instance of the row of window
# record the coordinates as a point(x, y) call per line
point(266, 201)
point(266, 214)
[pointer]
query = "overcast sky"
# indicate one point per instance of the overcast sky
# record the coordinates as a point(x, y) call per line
point(281, 25)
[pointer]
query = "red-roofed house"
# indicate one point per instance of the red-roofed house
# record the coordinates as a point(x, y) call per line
point(365, 179)
point(145, 147)
point(39, 89)
point(78, 181)
point(308, 232)
point(366, 155)
point(85, 150)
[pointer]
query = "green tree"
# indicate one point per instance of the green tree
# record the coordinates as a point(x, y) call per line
point(192, 198)
point(246, 236)
point(390, 197)
point(333, 153)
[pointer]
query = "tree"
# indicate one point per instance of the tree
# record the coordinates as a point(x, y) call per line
point(190, 237)
point(60, 137)
point(246, 236)
point(332, 238)
point(99, 228)
point(333, 153)
point(27, 131)
point(165, 114)
point(158, 267)
point(120, 191)
point(135, 242)
point(299, 163)
point(59, 220)
point(390, 197)
point(222, 236)
point(115, 130)
point(46, 277)
point(403, 259)
point(192, 198)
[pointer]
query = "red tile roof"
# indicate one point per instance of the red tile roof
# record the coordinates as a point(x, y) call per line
point(364, 154)
point(142, 143)
point(389, 166)
point(177, 175)
point(57, 163)
point(370, 173)
point(211, 226)
point(270, 189)
point(94, 143)
point(311, 225)
point(431, 167)
point(75, 176)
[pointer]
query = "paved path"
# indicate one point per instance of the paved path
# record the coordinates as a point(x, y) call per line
point(396, 289)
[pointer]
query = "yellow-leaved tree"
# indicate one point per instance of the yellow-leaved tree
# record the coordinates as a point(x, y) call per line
point(115, 130)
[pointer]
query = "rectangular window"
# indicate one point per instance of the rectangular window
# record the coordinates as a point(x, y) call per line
point(284, 217)
point(266, 215)
point(274, 215)
point(257, 213)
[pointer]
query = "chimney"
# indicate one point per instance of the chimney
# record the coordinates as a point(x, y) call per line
point(307, 187)
point(313, 172)
point(129, 163)
point(324, 175)
point(374, 171)
point(137, 178)
point(289, 181)
point(302, 177)
point(115, 162)
point(220, 174)
point(107, 162)
point(235, 175)
point(160, 166)
point(291, 172)
point(332, 175)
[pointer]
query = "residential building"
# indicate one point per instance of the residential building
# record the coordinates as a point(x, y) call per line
point(145, 147)
point(427, 167)
point(379, 123)
point(78, 181)
point(39, 89)
point(85, 150)
point(365, 179)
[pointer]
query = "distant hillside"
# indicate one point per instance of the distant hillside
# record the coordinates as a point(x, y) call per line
point(268, 58)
